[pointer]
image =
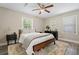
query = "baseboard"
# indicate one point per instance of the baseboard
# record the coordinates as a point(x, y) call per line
point(5, 43)
point(72, 41)
point(1, 44)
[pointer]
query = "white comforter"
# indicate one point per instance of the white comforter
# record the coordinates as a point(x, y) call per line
point(31, 39)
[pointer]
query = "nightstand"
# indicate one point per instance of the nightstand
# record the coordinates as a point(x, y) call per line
point(55, 33)
point(10, 37)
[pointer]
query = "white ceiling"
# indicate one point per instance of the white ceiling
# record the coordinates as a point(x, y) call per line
point(57, 9)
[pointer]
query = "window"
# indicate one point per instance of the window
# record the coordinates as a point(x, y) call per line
point(70, 24)
point(26, 23)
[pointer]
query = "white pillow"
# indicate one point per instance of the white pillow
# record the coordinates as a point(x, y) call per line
point(28, 30)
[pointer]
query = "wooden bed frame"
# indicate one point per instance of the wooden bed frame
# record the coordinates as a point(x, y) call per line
point(39, 46)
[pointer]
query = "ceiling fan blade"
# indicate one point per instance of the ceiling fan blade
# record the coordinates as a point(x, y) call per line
point(40, 12)
point(35, 9)
point(47, 11)
point(42, 5)
point(25, 4)
point(49, 6)
point(39, 5)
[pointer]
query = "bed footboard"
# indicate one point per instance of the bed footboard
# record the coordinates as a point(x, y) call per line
point(43, 44)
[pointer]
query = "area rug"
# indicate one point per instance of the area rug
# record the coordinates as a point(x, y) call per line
point(16, 49)
point(58, 49)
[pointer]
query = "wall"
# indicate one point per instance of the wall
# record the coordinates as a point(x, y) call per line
point(57, 22)
point(11, 21)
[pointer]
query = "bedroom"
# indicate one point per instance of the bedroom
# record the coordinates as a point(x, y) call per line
point(15, 17)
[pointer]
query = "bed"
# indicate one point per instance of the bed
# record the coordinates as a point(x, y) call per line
point(35, 41)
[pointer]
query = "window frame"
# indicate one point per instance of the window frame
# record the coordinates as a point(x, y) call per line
point(23, 17)
point(75, 22)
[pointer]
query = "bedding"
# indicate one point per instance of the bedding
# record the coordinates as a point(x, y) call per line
point(31, 39)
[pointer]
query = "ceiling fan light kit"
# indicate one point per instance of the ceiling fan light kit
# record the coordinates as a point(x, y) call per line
point(43, 8)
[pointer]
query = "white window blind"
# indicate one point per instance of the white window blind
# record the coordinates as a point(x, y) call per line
point(70, 24)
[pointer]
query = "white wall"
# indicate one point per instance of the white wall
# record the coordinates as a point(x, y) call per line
point(11, 21)
point(57, 21)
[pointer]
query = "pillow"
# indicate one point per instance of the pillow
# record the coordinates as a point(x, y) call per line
point(28, 30)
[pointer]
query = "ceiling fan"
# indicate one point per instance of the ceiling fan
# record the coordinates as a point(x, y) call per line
point(25, 4)
point(42, 7)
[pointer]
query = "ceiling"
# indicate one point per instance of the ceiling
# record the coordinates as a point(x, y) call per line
point(57, 9)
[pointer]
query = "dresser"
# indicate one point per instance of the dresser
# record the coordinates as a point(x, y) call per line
point(55, 33)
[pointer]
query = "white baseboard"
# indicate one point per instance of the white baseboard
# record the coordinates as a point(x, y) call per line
point(69, 40)
point(5, 43)
point(1, 44)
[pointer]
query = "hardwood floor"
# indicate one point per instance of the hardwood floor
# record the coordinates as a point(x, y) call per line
point(3, 50)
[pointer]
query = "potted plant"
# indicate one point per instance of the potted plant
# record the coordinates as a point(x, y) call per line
point(48, 28)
